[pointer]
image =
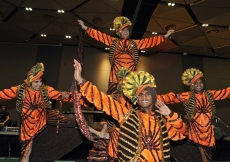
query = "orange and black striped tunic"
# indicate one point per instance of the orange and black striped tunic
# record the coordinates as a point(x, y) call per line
point(200, 129)
point(123, 55)
point(150, 123)
point(33, 112)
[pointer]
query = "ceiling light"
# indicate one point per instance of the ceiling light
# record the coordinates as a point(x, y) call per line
point(171, 4)
point(68, 36)
point(111, 29)
point(185, 53)
point(107, 49)
point(205, 25)
point(28, 9)
point(142, 51)
point(43, 35)
point(61, 11)
point(155, 33)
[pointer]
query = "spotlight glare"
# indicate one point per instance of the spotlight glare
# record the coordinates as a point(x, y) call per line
point(61, 11)
point(205, 25)
point(28, 9)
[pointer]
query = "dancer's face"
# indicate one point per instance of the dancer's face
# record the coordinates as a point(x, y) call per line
point(35, 85)
point(125, 33)
point(198, 85)
point(145, 100)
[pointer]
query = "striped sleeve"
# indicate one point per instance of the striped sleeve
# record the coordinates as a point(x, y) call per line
point(149, 42)
point(103, 102)
point(53, 94)
point(176, 127)
point(8, 94)
point(99, 36)
point(170, 98)
point(221, 94)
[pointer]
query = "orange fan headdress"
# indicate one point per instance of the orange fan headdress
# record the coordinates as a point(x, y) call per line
point(189, 76)
point(34, 73)
point(120, 23)
point(135, 83)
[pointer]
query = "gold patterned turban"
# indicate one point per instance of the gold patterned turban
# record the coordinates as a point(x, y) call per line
point(135, 83)
point(120, 23)
point(34, 73)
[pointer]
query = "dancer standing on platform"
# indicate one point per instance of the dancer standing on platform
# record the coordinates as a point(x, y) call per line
point(198, 114)
point(144, 135)
point(123, 51)
point(43, 131)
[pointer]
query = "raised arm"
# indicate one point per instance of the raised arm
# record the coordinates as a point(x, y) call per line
point(100, 100)
point(99, 36)
point(175, 126)
point(8, 94)
point(152, 41)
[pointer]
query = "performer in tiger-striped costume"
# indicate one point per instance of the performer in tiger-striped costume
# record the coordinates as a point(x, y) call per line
point(198, 114)
point(144, 134)
point(41, 139)
point(123, 53)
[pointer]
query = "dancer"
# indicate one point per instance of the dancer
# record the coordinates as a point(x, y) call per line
point(144, 135)
point(123, 51)
point(43, 131)
point(198, 114)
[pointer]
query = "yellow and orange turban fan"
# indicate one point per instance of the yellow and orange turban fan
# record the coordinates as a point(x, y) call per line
point(189, 76)
point(120, 23)
point(135, 83)
point(34, 73)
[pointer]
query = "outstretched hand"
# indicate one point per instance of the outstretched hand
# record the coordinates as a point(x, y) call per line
point(77, 72)
point(162, 108)
point(169, 32)
point(82, 24)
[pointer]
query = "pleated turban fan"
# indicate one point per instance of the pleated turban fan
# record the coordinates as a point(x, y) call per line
point(120, 23)
point(189, 76)
point(34, 73)
point(136, 82)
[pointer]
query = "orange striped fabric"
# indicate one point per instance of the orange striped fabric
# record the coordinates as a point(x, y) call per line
point(33, 113)
point(200, 128)
point(150, 122)
point(123, 56)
